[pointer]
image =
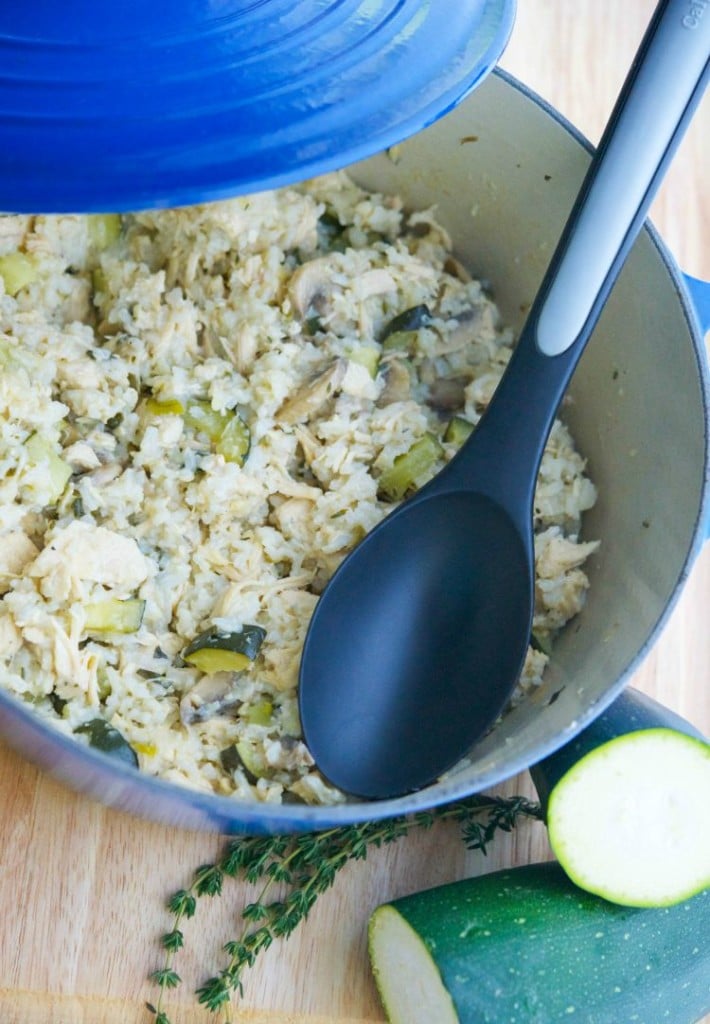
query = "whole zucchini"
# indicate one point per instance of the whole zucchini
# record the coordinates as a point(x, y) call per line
point(527, 946)
point(627, 804)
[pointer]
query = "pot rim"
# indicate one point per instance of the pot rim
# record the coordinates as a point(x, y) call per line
point(166, 802)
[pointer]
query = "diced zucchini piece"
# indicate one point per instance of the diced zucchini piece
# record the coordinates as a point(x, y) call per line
point(200, 416)
point(402, 332)
point(58, 703)
point(408, 467)
point(98, 280)
point(114, 615)
point(458, 430)
point(234, 442)
point(40, 452)
point(312, 325)
point(243, 756)
point(367, 356)
point(104, 737)
point(253, 760)
point(541, 642)
point(406, 341)
point(227, 430)
point(147, 749)
point(210, 660)
point(164, 407)
point(218, 651)
point(331, 231)
point(230, 759)
point(410, 320)
point(17, 269)
point(104, 229)
point(260, 714)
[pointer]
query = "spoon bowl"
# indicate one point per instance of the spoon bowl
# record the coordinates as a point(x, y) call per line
point(418, 640)
point(408, 634)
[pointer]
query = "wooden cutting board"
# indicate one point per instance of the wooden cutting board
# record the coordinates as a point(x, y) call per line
point(82, 888)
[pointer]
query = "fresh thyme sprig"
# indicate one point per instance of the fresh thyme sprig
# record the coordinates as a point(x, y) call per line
point(303, 867)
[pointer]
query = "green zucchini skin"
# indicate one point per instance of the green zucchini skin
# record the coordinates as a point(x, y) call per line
point(630, 712)
point(526, 946)
point(106, 738)
point(247, 642)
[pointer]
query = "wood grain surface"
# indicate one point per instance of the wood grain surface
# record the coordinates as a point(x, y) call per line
point(82, 888)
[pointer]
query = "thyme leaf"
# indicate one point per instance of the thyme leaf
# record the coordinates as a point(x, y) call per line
point(303, 867)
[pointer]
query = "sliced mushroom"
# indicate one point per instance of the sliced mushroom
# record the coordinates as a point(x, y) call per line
point(470, 324)
point(447, 394)
point(213, 342)
point(310, 286)
point(105, 474)
point(210, 696)
point(456, 269)
point(242, 348)
point(239, 348)
point(374, 282)
point(313, 395)
point(398, 383)
point(310, 445)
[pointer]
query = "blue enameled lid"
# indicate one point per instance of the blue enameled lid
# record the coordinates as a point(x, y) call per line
point(125, 104)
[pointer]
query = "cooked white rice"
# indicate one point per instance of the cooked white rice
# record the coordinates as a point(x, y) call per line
point(273, 309)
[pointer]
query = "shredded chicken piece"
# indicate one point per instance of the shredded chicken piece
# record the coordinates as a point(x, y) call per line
point(10, 637)
point(556, 554)
point(82, 551)
point(13, 230)
point(81, 456)
point(16, 551)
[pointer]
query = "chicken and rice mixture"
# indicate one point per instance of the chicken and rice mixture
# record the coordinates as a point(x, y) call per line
point(203, 411)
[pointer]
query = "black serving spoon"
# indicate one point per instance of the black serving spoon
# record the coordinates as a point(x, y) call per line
point(419, 638)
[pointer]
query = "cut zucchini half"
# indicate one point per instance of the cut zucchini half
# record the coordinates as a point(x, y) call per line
point(630, 821)
point(408, 979)
point(527, 946)
point(218, 651)
point(627, 804)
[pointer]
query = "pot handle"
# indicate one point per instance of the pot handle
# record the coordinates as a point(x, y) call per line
point(700, 295)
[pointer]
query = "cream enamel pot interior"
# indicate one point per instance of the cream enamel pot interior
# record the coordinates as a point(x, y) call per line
point(503, 170)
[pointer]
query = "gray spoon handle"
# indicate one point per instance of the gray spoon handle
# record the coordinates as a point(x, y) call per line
point(659, 96)
point(640, 138)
